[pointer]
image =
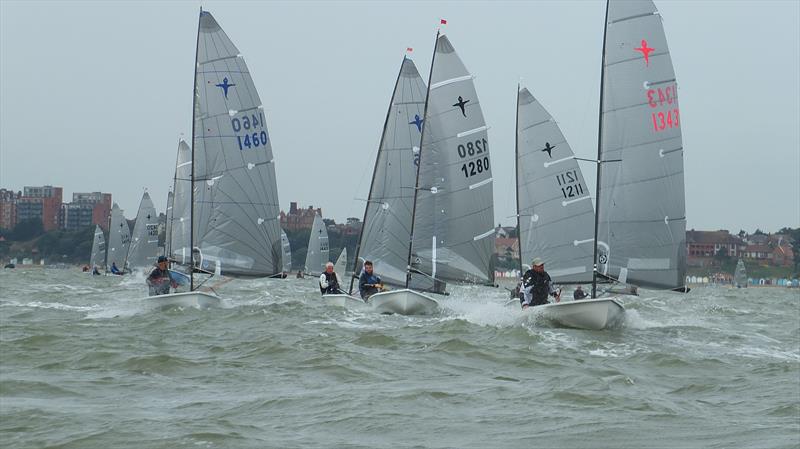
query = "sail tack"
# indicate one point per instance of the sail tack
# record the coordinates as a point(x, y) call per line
point(453, 234)
point(236, 201)
point(556, 216)
point(386, 232)
point(143, 249)
point(641, 222)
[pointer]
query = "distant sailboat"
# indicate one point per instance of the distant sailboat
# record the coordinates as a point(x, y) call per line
point(179, 229)
point(318, 252)
point(97, 260)
point(740, 276)
point(143, 249)
point(287, 252)
point(168, 227)
point(119, 238)
point(232, 207)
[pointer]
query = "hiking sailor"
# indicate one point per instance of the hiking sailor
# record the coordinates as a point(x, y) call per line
point(537, 285)
point(579, 293)
point(329, 281)
point(369, 283)
point(159, 280)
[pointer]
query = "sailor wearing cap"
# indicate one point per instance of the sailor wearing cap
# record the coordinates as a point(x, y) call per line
point(159, 280)
point(537, 285)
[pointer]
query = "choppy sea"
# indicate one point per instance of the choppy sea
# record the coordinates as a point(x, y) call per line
point(84, 364)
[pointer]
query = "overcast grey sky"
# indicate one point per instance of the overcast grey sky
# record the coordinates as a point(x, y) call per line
point(94, 95)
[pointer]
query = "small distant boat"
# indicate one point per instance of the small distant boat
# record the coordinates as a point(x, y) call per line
point(740, 276)
point(286, 257)
point(318, 252)
point(119, 239)
point(143, 249)
point(9, 265)
point(97, 259)
point(342, 299)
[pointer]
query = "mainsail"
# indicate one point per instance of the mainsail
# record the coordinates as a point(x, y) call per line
point(178, 236)
point(317, 254)
point(555, 213)
point(235, 219)
point(143, 249)
point(98, 249)
point(452, 231)
point(119, 238)
point(740, 276)
point(287, 252)
point(386, 231)
point(641, 219)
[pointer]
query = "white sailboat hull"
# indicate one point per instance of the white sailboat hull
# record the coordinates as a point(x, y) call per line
point(342, 300)
point(591, 314)
point(403, 302)
point(198, 300)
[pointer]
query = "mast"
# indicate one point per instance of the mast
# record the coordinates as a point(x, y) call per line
point(516, 178)
point(372, 183)
point(191, 183)
point(599, 162)
point(419, 166)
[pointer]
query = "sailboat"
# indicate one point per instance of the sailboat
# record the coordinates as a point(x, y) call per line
point(287, 252)
point(740, 276)
point(318, 252)
point(342, 299)
point(555, 217)
point(232, 200)
point(143, 250)
point(97, 258)
point(119, 238)
point(450, 231)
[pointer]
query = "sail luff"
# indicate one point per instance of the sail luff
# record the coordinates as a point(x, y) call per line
point(194, 142)
point(516, 179)
point(599, 155)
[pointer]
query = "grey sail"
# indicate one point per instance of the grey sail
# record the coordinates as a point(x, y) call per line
point(556, 216)
point(98, 249)
point(119, 238)
point(317, 254)
point(453, 233)
point(178, 235)
point(340, 267)
point(236, 209)
point(168, 227)
point(641, 212)
point(143, 250)
point(287, 252)
point(386, 230)
point(740, 276)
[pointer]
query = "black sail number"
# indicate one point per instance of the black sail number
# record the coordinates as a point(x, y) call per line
point(475, 148)
point(475, 167)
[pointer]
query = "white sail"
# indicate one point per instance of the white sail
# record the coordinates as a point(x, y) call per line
point(453, 229)
point(119, 238)
point(340, 267)
point(178, 236)
point(740, 276)
point(317, 254)
point(386, 230)
point(168, 226)
point(287, 252)
point(98, 249)
point(143, 249)
point(556, 216)
point(641, 212)
point(236, 203)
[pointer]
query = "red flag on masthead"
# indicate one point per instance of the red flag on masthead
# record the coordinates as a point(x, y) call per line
point(443, 21)
point(409, 49)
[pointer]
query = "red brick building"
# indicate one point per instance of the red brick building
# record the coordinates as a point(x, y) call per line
point(299, 218)
point(8, 208)
point(43, 203)
point(702, 246)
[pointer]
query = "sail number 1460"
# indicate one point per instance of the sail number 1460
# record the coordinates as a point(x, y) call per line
point(248, 123)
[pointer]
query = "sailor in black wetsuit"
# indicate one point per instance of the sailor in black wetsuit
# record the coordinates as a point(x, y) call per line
point(329, 281)
point(159, 281)
point(537, 285)
point(579, 293)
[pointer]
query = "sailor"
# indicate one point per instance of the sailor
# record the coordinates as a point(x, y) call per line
point(329, 281)
point(537, 285)
point(114, 269)
point(369, 283)
point(95, 271)
point(579, 293)
point(159, 279)
point(299, 274)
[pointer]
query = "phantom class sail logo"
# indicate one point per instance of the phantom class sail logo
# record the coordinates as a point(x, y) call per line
point(548, 149)
point(645, 50)
point(461, 103)
point(224, 86)
point(417, 121)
